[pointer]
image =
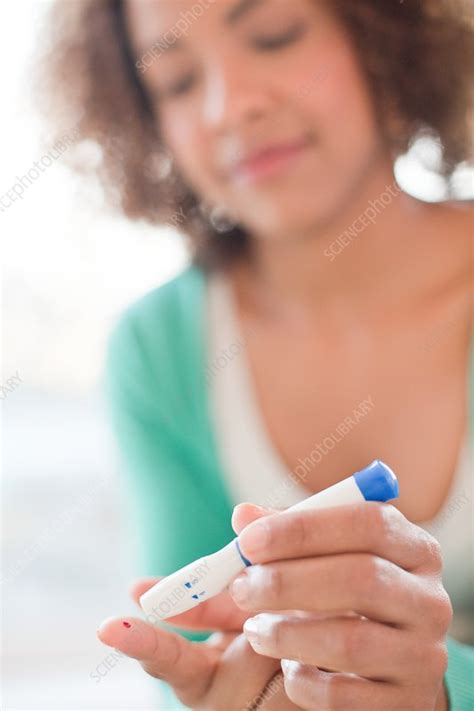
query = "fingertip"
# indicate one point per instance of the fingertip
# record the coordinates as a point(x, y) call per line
point(250, 509)
point(244, 513)
point(140, 586)
point(105, 627)
point(128, 634)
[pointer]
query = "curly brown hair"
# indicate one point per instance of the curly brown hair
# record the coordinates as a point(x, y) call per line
point(414, 53)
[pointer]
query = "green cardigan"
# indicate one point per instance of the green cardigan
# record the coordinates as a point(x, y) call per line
point(179, 504)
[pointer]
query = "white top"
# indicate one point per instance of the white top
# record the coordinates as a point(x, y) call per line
point(256, 473)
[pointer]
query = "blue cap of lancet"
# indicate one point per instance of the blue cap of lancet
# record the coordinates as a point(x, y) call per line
point(377, 482)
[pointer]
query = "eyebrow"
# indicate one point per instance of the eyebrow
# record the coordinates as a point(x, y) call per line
point(239, 10)
point(232, 16)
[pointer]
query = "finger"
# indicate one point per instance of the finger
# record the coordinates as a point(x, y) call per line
point(218, 613)
point(368, 585)
point(311, 688)
point(370, 527)
point(244, 514)
point(221, 640)
point(273, 697)
point(240, 677)
point(188, 667)
point(140, 586)
point(355, 645)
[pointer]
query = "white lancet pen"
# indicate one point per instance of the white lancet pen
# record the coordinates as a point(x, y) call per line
point(209, 575)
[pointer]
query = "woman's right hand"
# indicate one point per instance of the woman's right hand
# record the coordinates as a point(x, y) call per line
point(221, 674)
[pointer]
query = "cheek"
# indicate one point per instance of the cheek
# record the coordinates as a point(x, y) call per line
point(178, 134)
point(190, 151)
point(342, 106)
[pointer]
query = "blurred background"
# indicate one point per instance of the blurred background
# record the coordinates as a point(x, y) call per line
point(69, 266)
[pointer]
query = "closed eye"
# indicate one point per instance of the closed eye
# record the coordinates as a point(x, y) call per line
point(281, 40)
point(180, 87)
point(264, 44)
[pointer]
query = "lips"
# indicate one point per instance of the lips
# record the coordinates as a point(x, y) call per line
point(269, 160)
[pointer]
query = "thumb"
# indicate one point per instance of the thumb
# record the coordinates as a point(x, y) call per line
point(189, 668)
point(246, 513)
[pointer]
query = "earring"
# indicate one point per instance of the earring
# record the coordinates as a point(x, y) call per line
point(221, 218)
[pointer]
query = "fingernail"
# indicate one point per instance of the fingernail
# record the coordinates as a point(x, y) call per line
point(103, 624)
point(252, 630)
point(239, 589)
point(254, 538)
point(256, 507)
point(287, 665)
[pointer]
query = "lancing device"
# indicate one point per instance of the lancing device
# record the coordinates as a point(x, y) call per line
point(209, 575)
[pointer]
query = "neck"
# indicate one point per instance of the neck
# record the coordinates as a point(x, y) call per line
point(355, 259)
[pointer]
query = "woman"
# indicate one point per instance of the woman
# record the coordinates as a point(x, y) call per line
point(326, 320)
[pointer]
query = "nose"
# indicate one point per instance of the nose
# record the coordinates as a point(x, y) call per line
point(233, 96)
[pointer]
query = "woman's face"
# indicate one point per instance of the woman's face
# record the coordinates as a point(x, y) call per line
point(233, 79)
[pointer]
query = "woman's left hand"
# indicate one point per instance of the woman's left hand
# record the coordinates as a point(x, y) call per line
point(351, 600)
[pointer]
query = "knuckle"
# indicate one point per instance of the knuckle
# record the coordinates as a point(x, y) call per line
point(433, 552)
point(440, 661)
point(442, 610)
point(376, 521)
point(370, 575)
point(176, 653)
point(417, 655)
point(300, 531)
point(291, 533)
point(434, 662)
point(386, 519)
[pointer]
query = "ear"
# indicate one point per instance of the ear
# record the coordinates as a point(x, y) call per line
point(246, 513)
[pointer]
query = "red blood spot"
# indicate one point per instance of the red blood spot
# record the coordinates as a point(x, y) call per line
point(126, 624)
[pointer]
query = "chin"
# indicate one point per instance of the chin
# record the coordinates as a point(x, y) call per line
point(288, 216)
